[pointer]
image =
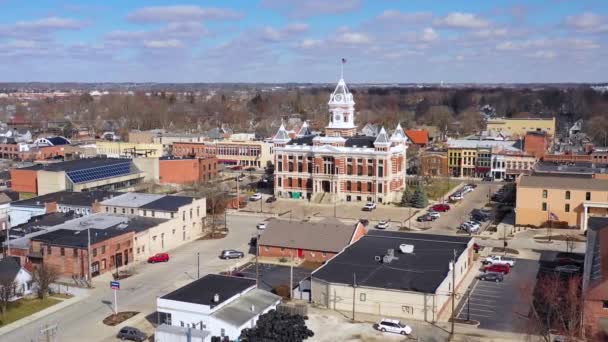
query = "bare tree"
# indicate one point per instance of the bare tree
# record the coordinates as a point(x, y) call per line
point(44, 276)
point(8, 288)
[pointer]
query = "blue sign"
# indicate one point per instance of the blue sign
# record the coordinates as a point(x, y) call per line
point(115, 285)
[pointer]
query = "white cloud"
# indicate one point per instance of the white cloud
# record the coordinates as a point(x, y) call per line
point(163, 44)
point(353, 38)
point(542, 54)
point(272, 34)
point(566, 44)
point(50, 23)
point(181, 13)
point(405, 17)
point(429, 35)
point(491, 33)
point(461, 20)
point(309, 8)
point(310, 43)
point(588, 22)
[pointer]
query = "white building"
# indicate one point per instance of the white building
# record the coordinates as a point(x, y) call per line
point(10, 270)
point(221, 305)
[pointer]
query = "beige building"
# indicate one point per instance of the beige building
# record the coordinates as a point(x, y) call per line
point(519, 127)
point(185, 215)
point(415, 283)
point(230, 152)
point(121, 149)
point(544, 199)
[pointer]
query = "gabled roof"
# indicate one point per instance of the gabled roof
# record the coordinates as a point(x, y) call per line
point(282, 134)
point(323, 236)
point(418, 136)
point(304, 130)
point(398, 135)
point(9, 268)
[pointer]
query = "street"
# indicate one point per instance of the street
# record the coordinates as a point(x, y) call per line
point(139, 292)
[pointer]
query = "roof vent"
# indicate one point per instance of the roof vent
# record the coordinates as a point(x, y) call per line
point(406, 249)
point(216, 298)
point(377, 258)
point(389, 256)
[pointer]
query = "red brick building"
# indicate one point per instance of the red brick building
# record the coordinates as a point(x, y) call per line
point(536, 143)
point(340, 166)
point(434, 163)
point(24, 180)
point(595, 280)
point(307, 241)
point(187, 170)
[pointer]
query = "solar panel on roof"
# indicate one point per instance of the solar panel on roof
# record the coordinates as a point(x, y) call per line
point(100, 172)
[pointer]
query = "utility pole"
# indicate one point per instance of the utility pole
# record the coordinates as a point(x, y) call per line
point(198, 265)
point(257, 264)
point(90, 280)
point(354, 292)
point(291, 276)
point(453, 291)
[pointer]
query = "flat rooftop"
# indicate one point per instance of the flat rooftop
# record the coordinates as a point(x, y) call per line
point(169, 203)
point(563, 182)
point(132, 200)
point(201, 291)
point(421, 271)
point(84, 199)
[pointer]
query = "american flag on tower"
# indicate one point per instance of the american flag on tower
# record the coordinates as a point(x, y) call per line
point(343, 60)
point(553, 217)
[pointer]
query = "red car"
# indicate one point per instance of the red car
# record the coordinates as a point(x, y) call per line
point(159, 257)
point(441, 207)
point(498, 268)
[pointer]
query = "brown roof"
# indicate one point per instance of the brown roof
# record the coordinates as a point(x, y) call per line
point(325, 236)
point(564, 183)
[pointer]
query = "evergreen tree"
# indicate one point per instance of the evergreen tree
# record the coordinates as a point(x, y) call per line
point(406, 199)
point(419, 199)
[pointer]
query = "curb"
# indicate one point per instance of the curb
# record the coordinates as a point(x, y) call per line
point(40, 314)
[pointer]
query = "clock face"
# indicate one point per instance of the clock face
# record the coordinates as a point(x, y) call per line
point(338, 98)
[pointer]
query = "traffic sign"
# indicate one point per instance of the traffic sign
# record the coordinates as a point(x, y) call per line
point(115, 285)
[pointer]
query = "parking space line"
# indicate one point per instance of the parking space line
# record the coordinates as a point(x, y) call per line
point(488, 305)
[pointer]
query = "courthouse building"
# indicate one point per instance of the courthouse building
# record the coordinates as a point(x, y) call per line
point(340, 165)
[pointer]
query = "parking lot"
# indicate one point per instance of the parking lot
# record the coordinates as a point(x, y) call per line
point(502, 306)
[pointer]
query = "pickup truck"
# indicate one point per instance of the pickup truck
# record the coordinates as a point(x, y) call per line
point(497, 259)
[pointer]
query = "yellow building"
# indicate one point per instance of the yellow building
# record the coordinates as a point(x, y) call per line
point(541, 199)
point(520, 126)
point(119, 149)
point(455, 161)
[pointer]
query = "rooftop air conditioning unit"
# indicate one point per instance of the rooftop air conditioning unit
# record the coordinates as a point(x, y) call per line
point(406, 249)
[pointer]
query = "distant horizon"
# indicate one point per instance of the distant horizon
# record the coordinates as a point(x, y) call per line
point(282, 41)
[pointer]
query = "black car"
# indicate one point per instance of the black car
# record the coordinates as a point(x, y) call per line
point(492, 276)
point(132, 334)
point(271, 199)
point(425, 218)
point(253, 242)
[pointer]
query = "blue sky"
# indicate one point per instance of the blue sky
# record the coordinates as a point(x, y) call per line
point(303, 41)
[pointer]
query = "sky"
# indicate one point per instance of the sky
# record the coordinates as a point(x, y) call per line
point(383, 41)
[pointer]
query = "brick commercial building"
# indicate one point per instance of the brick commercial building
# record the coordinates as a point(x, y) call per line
point(520, 126)
point(536, 144)
point(77, 175)
point(120, 149)
point(434, 163)
point(595, 280)
point(561, 198)
point(340, 165)
point(506, 164)
point(307, 241)
point(187, 170)
point(243, 153)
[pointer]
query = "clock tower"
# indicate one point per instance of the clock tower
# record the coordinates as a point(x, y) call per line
point(341, 112)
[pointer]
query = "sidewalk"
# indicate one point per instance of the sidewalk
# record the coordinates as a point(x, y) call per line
point(40, 314)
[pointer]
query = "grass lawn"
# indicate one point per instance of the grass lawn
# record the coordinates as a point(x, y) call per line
point(25, 307)
point(438, 187)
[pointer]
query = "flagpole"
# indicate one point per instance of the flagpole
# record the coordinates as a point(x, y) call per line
point(342, 69)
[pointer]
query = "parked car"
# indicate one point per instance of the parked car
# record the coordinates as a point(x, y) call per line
point(231, 254)
point(382, 225)
point(369, 206)
point(456, 197)
point(441, 207)
point(253, 242)
point(261, 226)
point(425, 218)
point(158, 257)
point(474, 226)
point(394, 326)
point(498, 268)
point(471, 185)
point(499, 259)
point(435, 215)
point(132, 334)
point(255, 197)
point(567, 269)
point(491, 276)
point(271, 199)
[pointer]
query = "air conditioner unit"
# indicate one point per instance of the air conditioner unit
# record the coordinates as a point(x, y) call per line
point(406, 249)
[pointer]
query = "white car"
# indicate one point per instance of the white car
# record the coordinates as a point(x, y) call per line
point(473, 226)
point(434, 214)
point(382, 225)
point(456, 197)
point(261, 226)
point(369, 206)
point(255, 197)
point(498, 259)
point(394, 326)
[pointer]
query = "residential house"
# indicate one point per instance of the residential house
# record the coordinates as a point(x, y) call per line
point(221, 305)
point(307, 241)
point(12, 271)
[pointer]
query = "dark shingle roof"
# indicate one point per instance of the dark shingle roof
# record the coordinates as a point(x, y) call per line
point(360, 141)
point(201, 291)
point(421, 271)
point(168, 203)
point(56, 141)
point(77, 238)
point(83, 199)
point(305, 140)
point(9, 267)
